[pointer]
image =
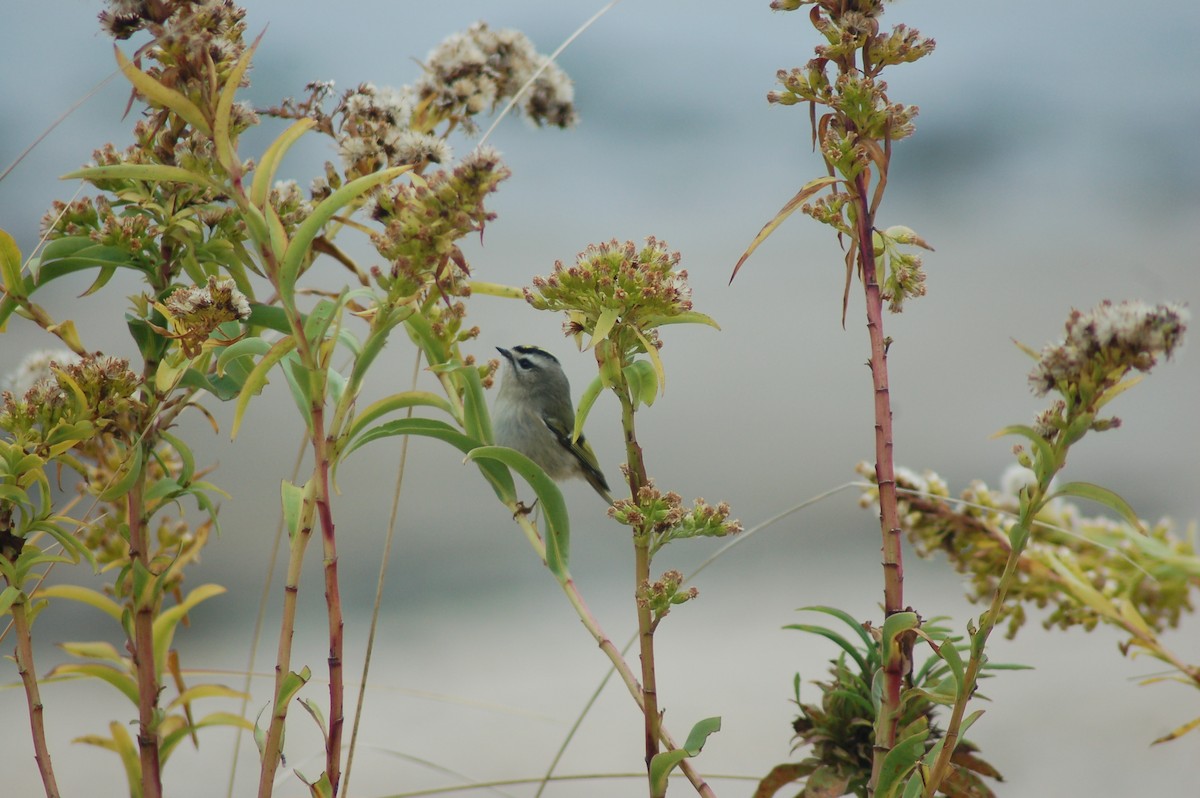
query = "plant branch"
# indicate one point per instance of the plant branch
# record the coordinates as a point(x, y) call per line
point(333, 599)
point(900, 663)
point(33, 697)
point(273, 745)
point(142, 645)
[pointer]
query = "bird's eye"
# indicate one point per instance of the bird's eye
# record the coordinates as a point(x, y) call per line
point(525, 363)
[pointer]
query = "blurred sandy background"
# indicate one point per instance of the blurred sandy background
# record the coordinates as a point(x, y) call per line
point(1054, 166)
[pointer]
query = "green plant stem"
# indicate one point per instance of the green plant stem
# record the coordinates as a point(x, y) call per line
point(142, 648)
point(33, 697)
point(333, 600)
point(987, 622)
point(575, 598)
point(273, 745)
point(898, 666)
point(636, 471)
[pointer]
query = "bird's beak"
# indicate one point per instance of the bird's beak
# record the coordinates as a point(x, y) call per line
point(507, 354)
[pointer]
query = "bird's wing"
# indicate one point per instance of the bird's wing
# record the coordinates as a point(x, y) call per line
point(582, 451)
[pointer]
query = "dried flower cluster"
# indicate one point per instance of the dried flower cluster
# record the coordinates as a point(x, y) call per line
point(198, 311)
point(422, 221)
point(1104, 344)
point(372, 126)
point(472, 72)
point(1085, 570)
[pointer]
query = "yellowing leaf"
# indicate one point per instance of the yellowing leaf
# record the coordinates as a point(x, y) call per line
point(810, 188)
point(159, 94)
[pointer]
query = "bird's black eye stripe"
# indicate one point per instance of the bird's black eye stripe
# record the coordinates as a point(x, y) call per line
point(525, 363)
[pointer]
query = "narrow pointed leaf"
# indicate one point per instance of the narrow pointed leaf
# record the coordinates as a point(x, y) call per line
point(1045, 463)
point(226, 151)
point(390, 404)
point(586, 400)
point(258, 378)
point(151, 173)
point(810, 188)
point(495, 473)
point(662, 764)
point(264, 172)
point(300, 245)
point(10, 265)
point(1102, 495)
point(161, 95)
point(558, 537)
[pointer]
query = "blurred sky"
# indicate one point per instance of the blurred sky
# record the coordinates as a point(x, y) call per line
point(1054, 166)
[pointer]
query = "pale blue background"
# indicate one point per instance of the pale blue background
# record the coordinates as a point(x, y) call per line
point(1054, 166)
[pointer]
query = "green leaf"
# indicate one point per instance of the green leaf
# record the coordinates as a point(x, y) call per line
point(807, 190)
point(390, 404)
point(8, 597)
point(1102, 495)
point(899, 762)
point(316, 325)
point(151, 173)
point(292, 684)
point(292, 497)
point(165, 623)
point(10, 265)
point(187, 461)
point(224, 388)
point(226, 151)
point(272, 317)
point(829, 634)
point(200, 691)
point(258, 378)
point(558, 537)
point(301, 243)
point(953, 658)
point(662, 764)
point(643, 381)
point(652, 351)
point(894, 625)
point(159, 94)
point(846, 618)
point(477, 420)
point(94, 650)
point(687, 317)
point(126, 477)
point(264, 173)
point(586, 400)
point(1045, 462)
point(92, 598)
point(495, 473)
point(604, 324)
point(106, 274)
point(97, 670)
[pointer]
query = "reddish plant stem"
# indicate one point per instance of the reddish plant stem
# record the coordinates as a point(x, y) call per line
point(141, 648)
point(37, 726)
point(896, 669)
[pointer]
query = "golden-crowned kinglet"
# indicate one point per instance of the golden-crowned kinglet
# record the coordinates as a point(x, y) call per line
point(534, 415)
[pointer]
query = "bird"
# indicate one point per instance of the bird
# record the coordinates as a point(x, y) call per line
point(533, 414)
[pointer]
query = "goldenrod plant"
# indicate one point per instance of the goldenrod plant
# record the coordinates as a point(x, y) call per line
point(875, 731)
point(223, 247)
